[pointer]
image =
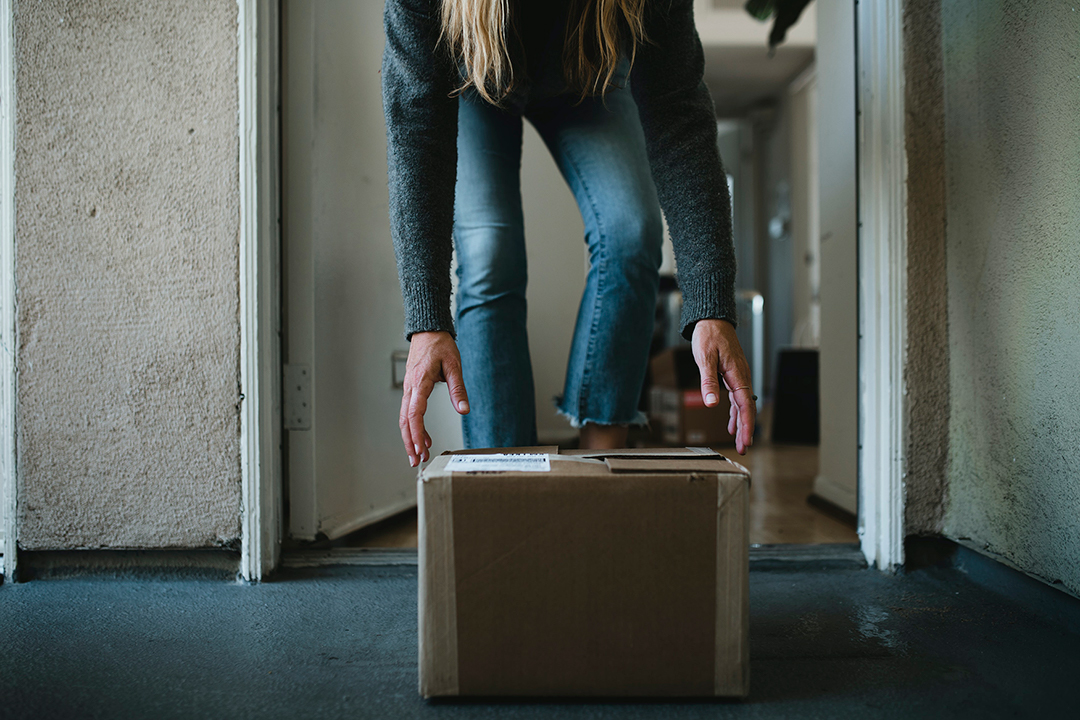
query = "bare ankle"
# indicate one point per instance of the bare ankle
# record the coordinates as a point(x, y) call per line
point(603, 437)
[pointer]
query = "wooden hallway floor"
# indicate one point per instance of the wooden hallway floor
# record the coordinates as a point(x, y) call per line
point(780, 507)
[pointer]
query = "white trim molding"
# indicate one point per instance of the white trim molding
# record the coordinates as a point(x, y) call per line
point(260, 371)
point(882, 280)
point(8, 339)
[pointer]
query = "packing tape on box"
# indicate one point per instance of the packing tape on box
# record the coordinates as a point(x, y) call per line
point(438, 596)
point(732, 591)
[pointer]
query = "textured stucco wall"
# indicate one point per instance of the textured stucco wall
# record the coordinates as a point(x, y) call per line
point(927, 370)
point(127, 218)
point(1012, 150)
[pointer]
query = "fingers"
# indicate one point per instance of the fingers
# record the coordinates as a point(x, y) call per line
point(456, 385)
point(406, 432)
point(733, 415)
point(710, 387)
point(719, 357)
point(743, 406)
point(414, 435)
point(433, 358)
point(415, 417)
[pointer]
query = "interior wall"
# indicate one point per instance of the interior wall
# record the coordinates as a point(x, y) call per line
point(1012, 159)
point(127, 218)
point(839, 359)
point(555, 238)
point(735, 139)
point(805, 216)
point(774, 263)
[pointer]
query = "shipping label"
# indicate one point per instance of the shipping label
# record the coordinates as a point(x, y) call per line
point(500, 462)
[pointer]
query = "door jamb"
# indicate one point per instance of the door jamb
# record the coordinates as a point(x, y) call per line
point(882, 249)
point(260, 293)
point(8, 346)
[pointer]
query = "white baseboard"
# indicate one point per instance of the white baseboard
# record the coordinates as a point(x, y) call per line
point(837, 494)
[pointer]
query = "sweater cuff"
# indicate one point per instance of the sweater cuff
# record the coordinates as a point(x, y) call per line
point(706, 297)
point(427, 310)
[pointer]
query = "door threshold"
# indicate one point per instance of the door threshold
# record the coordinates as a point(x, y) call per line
point(349, 556)
point(836, 556)
point(822, 556)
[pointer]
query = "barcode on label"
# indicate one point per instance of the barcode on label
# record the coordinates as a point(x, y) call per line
point(525, 462)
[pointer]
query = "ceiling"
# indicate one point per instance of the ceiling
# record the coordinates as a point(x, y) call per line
point(738, 70)
point(740, 77)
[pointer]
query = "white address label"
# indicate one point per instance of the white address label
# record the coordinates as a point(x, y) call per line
point(499, 462)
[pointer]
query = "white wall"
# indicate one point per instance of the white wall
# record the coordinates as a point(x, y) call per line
point(554, 235)
point(805, 211)
point(837, 481)
point(343, 309)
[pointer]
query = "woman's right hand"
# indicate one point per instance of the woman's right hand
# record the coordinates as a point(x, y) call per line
point(433, 358)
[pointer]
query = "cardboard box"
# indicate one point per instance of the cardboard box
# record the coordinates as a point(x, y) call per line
point(676, 409)
point(610, 574)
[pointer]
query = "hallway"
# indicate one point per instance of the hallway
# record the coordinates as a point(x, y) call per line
point(341, 643)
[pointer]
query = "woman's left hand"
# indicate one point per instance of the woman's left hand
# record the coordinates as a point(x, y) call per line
point(720, 358)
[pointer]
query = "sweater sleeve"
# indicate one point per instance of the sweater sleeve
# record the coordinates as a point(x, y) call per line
point(679, 122)
point(421, 135)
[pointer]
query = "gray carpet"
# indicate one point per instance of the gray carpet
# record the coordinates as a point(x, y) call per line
point(341, 643)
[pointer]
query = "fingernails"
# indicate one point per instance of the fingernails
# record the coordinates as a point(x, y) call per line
point(419, 450)
point(427, 442)
point(463, 407)
point(710, 399)
point(412, 462)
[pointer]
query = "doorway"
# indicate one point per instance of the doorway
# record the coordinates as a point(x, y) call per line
point(347, 481)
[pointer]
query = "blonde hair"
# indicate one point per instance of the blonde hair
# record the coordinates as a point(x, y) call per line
point(476, 31)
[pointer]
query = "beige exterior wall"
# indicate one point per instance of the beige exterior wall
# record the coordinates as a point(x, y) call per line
point(927, 371)
point(1012, 159)
point(127, 220)
point(994, 279)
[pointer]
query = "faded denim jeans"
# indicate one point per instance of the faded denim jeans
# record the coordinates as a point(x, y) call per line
point(599, 147)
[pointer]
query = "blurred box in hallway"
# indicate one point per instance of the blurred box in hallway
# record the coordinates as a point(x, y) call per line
point(617, 573)
point(796, 414)
point(677, 412)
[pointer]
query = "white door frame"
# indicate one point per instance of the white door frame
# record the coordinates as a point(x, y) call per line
point(882, 283)
point(882, 167)
point(8, 340)
point(260, 297)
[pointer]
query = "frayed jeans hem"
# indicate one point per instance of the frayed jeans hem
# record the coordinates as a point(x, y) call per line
point(640, 419)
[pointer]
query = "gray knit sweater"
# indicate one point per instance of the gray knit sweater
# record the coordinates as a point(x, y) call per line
point(677, 117)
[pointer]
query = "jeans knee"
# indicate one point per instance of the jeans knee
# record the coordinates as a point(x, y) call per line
point(491, 265)
point(633, 240)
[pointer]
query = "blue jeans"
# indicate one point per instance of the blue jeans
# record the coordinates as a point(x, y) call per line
point(599, 147)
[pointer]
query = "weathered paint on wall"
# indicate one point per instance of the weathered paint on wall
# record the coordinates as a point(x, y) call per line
point(1012, 158)
point(927, 369)
point(127, 219)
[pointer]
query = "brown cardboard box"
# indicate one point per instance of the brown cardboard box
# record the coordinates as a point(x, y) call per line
point(611, 574)
point(676, 409)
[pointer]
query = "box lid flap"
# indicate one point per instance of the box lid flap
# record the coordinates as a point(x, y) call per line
point(540, 449)
point(666, 452)
point(684, 464)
